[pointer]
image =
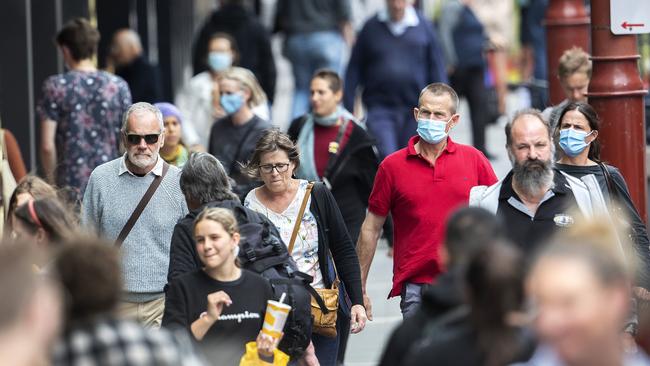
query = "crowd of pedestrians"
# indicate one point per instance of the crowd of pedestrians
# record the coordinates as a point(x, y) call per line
point(180, 233)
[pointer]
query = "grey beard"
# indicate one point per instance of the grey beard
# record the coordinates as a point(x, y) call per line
point(533, 177)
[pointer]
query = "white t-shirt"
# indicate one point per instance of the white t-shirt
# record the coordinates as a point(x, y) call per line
point(305, 250)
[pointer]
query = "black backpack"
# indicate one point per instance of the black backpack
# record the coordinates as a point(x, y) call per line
point(262, 251)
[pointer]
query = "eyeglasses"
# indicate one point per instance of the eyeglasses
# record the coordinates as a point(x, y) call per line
point(134, 139)
point(279, 167)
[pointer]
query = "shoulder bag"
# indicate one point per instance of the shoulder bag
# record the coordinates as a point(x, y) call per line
point(324, 318)
point(615, 201)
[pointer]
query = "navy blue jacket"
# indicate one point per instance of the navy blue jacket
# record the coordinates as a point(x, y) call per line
point(393, 70)
point(469, 40)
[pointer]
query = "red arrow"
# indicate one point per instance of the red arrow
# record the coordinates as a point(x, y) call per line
point(629, 26)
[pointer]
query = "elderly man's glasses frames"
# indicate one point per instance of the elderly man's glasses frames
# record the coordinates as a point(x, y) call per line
point(279, 167)
point(134, 139)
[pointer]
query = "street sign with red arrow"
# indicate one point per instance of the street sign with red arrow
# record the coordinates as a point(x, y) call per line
point(631, 26)
point(630, 16)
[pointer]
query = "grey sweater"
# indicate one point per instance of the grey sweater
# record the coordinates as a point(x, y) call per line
point(109, 201)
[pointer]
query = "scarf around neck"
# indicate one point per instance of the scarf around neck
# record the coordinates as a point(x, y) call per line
point(307, 169)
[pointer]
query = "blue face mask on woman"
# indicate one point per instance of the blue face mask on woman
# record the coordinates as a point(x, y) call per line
point(431, 130)
point(219, 61)
point(573, 142)
point(231, 103)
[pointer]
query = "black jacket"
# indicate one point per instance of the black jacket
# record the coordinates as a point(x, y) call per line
point(454, 340)
point(638, 232)
point(182, 254)
point(333, 236)
point(437, 300)
point(143, 79)
point(352, 175)
point(253, 43)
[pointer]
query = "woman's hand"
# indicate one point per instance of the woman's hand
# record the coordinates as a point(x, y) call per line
point(266, 345)
point(216, 302)
point(358, 319)
point(309, 358)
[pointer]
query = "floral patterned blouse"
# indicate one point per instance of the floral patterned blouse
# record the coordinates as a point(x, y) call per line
point(305, 251)
point(87, 108)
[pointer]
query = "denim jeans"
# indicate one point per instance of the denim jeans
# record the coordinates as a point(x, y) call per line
point(327, 348)
point(411, 298)
point(307, 53)
point(391, 126)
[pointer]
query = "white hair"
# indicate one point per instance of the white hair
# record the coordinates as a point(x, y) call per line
point(140, 107)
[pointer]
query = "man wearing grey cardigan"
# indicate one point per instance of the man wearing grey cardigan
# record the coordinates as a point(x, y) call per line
point(113, 192)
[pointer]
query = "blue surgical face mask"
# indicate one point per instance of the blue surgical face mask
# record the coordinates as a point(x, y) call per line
point(431, 130)
point(231, 103)
point(573, 142)
point(219, 61)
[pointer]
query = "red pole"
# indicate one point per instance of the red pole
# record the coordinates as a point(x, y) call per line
point(616, 92)
point(567, 25)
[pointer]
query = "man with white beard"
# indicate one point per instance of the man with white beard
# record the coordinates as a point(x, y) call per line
point(135, 201)
point(535, 199)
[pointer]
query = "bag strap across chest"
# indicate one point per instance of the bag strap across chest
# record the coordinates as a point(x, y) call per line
point(301, 212)
point(141, 206)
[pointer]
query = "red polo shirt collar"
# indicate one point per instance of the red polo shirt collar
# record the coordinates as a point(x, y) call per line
point(450, 148)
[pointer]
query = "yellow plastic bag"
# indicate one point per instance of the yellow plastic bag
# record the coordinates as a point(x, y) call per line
point(251, 358)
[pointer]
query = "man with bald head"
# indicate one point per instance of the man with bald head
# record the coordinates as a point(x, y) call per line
point(112, 195)
point(535, 199)
point(128, 60)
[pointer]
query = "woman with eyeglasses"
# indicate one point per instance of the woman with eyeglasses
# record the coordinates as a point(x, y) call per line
point(321, 237)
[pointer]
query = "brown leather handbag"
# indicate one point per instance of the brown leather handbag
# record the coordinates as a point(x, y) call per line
point(325, 322)
point(324, 319)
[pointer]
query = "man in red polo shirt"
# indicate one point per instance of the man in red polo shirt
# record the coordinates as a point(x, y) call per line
point(420, 186)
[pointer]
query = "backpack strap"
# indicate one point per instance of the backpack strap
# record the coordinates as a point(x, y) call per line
point(141, 205)
point(308, 287)
point(301, 212)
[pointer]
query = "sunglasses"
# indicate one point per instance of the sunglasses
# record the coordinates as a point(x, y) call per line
point(134, 139)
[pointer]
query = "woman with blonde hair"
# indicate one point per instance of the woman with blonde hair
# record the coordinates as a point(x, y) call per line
point(222, 305)
point(233, 137)
point(579, 289)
